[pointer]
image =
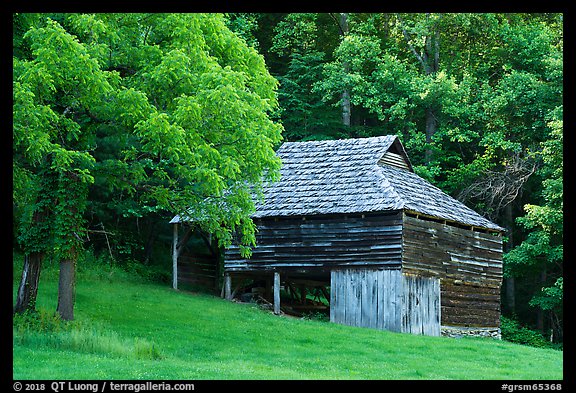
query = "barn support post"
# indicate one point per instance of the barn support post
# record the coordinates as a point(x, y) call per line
point(227, 286)
point(175, 258)
point(276, 293)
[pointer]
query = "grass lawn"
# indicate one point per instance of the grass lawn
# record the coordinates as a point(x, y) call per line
point(130, 330)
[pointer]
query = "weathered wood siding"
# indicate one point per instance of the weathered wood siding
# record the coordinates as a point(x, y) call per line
point(197, 271)
point(421, 305)
point(367, 298)
point(322, 242)
point(385, 299)
point(395, 160)
point(468, 263)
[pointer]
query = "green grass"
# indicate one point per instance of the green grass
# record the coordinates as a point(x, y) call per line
point(126, 329)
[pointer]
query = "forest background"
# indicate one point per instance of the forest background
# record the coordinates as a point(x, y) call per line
point(123, 111)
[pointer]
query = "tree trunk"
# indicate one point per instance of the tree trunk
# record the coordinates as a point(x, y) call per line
point(346, 104)
point(511, 295)
point(431, 127)
point(149, 246)
point(66, 289)
point(346, 108)
point(510, 283)
point(540, 313)
point(429, 59)
point(28, 289)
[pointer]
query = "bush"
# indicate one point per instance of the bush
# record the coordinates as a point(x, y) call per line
point(41, 321)
point(150, 273)
point(514, 332)
point(100, 267)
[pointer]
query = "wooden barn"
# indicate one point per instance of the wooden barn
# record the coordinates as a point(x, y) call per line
point(350, 219)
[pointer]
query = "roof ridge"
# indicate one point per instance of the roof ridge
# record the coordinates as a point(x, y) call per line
point(341, 140)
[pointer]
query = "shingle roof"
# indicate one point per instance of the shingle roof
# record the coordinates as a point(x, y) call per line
point(344, 176)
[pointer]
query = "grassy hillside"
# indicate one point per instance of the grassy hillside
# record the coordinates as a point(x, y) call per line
point(126, 329)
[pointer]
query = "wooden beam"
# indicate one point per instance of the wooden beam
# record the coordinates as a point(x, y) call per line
point(175, 258)
point(182, 241)
point(237, 287)
point(294, 294)
point(227, 287)
point(302, 288)
point(276, 293)
point(309, 283)
point(208, 242)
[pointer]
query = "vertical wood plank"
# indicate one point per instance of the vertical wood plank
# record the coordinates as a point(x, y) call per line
point(342, 294)
point(227, 286)
point(367, 298)
point(359, 273)
point(386, 313)
point(364, 309)
point(353, 310)
point(175, 257)
point(348, 289)
point(276, 293)
point(395, 299)
point(392, 289)
point(421, 305)
point(333, 296)
point(379, 287)
point(340, 288)
point(373, 286)
point(436, 310)
point(405, 305)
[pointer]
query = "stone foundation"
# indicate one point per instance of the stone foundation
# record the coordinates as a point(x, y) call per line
point(462, 331)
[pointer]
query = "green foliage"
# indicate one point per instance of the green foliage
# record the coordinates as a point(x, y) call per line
point(38, 321)
point(543, 248)
point(304, 114)
point(514, 332)
point(149, 273)
point(138, 116)
point(296, 33)
point(61, 80)
point(244, 25)
point(551, 298)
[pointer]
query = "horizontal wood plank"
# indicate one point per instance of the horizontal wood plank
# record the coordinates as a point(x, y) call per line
point(323, 242)
point(469, 264)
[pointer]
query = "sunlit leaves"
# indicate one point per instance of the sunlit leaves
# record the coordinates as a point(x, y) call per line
point(161, 112)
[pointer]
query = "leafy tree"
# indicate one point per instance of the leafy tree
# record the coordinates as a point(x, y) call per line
point(136, 115)
point(305, 42)
point(50, 150)
point(471, 95)
point(304, 114)
point(541, 252)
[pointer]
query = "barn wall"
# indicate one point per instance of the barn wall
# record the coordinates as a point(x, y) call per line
point(367, 298)
point(385, 299)
point(421, 305)
point(197, 270)
point(468, 264)
point(322, 243)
